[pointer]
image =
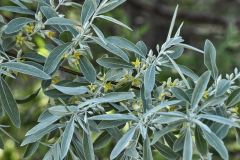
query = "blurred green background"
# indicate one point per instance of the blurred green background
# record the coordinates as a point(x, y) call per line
point(217, 20)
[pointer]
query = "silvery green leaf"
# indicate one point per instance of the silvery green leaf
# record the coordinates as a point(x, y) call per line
point(38, 135)
point(187, 150)
point(201, 143)
point(234, 98)
point(222, 86)
point(110, 97)
point(149, 80)
point(122, 143)
point(16, 24)
point(142, 47)
point(112, 117)
point(88, 10)
point(60, 110)
point(218, 119)
point(110, 6)
point(114, 74)
point(215, 142)
point(166, 151)
point(167, 120)
point(147, 152)
point(161, 106)
point(67, 137)
point(200, 88)
point(179, 143)
point(180, 94)
point(177, 52)
point(125, 44)
point(115, 133)
point(59, 21)
point(143, 131)
point(71, 90)
point(30, 150)
point(99, 33)
point(212, 101)
point(9, 104)
point(163, 131)
point(114, 21)
point(111, 124)
point(16, 9)
point(175, 65)
point(55, 57)
point(210, 58)
point(88, 145)
point(112, 49)
point(113, 62)
point(26, 69)
point(172, 23)
point(87, 69)
point(190, 47)
point(42, 125)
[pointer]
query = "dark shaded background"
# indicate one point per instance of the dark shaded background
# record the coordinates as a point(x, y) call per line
point(217, 20)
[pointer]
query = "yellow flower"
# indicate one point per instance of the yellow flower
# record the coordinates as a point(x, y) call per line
point(55, 79)
point(77, 55)
point(20, 39)
point(50, 34)
point(107, 87)
point(136, 63)
point(29, 28)
point(206, 95)
point(161, 96)
point(136, 82)
point(92, 87)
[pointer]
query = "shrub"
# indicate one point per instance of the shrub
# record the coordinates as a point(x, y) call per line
point(121, 98)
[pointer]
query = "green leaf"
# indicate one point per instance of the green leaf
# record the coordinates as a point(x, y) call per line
point(9, 104)
point(201, 144)
point(102, 140)
point(149, 80)
point(122, 143)
point(218, 119)
point(87, 69)
point(59, 21)
point(16, 24)
point(210, 58)
point(215, 142)
point(147, 152)
point(26, 69)
point(110, 97)
point(30, 150)
point(112, 117)
point(222, 86)
point(166, 151)
point(67, 138)
point(125, 44)
point(16, 9)
point(113, 62)
point(88, 145)
point(187, 150)
point(172, 23)
point(55, 57)
point(71, 90)
point(112, 4)
point(99, 33)
point(114, 21)
point(88, 10)
point(200, 88)
point(180, 94)
point(234, 98)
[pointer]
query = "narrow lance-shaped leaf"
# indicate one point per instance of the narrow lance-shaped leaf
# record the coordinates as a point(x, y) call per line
point(87, 69)
point(234, 98)
point(113, 62)
point(88, 145)
point(16, 24)
point(149, 80)
point(26, 69)
point(210, 58)
point(8, 103)
point(110, 6)
point(111, 117)
point(222, 86)
point(67, 138)
point(147, 152)
point(88, 9)
point(201, 143)
point(71, 90)
point(55, 57)
point(200, 88)
point(16, 9)
point(187, 150)
point(59, 21)
point(122, 143)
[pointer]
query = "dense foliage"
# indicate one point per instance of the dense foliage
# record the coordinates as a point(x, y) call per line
point(121, 97)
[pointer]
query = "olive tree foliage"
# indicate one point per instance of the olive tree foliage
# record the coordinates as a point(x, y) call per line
point(119, 99)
